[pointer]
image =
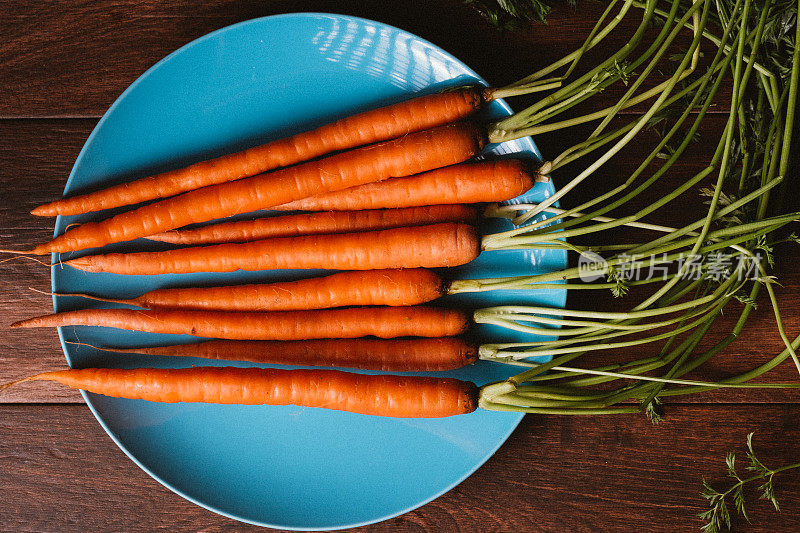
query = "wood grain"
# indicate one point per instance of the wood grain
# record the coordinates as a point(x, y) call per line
point(75, 60)
point(61, 473)
point(35, 160)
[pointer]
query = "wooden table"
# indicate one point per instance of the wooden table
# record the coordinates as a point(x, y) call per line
point(61, 67)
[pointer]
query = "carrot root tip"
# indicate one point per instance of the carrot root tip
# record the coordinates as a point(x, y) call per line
point(5, 386)
point(20, 255)
point(39, 291)
point(43, 211)
point(76, 343)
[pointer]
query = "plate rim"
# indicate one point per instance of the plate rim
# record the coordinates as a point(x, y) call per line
point(562, 293)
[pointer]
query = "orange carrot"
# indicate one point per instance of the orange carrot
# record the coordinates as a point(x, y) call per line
point(379, 395)
point(469, 183)
point(437, 245)
point(394, 287)
point(319, 223)
point(384, 322)
point(414, 153)
point(357, 130)
point(407, 355)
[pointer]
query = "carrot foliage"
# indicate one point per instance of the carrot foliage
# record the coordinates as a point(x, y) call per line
point(720, 258)
point(511, 14)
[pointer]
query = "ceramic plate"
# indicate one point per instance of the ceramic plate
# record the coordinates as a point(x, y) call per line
point(287, 467)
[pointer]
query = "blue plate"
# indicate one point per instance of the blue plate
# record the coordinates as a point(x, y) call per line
point(287, 467)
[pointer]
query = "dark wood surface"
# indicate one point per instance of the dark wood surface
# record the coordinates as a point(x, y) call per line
point(62, 66)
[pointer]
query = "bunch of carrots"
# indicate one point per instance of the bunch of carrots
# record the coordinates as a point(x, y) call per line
point(385, 194)
point(388, 194)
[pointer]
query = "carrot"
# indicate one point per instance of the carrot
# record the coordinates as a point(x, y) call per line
point(469, 183)
point(437, 245)
point(379, 395)
point(414, 153)
point(394, 287)
point(377, 125)
point(385, 322)
point(318, 223)
point(407, 355)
